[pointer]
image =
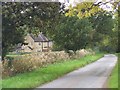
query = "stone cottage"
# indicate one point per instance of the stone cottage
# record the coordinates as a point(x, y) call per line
point(38, 43)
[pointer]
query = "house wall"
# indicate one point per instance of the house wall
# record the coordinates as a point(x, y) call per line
point(47, 46)
point(36, 46)
point(50, 44)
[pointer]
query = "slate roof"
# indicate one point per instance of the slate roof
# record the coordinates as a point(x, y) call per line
point(39, 38)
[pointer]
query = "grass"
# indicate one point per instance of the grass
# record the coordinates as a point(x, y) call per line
point(11, 56)
point(16, 54)
point(113, 80)
point(46, 74)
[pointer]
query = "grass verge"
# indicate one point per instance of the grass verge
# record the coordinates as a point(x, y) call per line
point(46, 74)
point(113, 79)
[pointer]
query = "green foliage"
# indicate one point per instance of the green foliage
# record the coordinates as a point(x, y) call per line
point(46, 74)
point(86, 24)
point(105, 31)
point(104, 26)
point(72, 33)
point(19, 18)
point(83, 9)
point(97, 31)
point(102, 22)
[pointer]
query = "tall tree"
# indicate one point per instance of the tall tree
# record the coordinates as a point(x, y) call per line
point(72, 33)
point(102, 21)
point(103, 24)
point(40, 15)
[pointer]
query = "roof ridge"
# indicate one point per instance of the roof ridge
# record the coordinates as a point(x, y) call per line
point(41, 36)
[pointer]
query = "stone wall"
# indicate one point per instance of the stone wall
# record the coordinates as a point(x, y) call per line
point(29, 62)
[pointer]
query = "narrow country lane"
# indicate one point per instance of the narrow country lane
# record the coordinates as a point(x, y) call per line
point(91, 76)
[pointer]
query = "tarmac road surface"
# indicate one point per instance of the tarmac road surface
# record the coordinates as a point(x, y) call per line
point(93, 75)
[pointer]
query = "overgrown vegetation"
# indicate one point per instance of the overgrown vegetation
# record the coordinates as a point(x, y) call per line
point(48, 73)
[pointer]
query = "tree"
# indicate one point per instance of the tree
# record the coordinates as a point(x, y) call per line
point(16, 15)
point(105, 28)
point(86, 9)
point(72, 33)
point(102, 21)
point(83, 9)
